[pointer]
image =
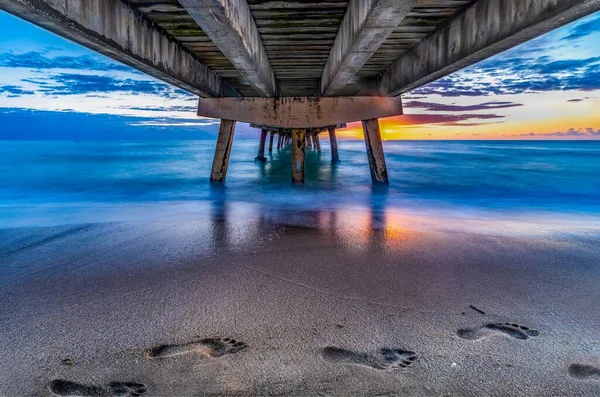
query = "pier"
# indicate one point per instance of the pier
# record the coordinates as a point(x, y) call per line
point(298, 69)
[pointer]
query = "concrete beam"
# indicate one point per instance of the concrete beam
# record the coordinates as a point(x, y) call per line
point(375, 153)
point(230, 26)
point(281, 130)
point(112, 28)
point(366, 25)
point(300, 112)
point(487, 28)
point(222, 152)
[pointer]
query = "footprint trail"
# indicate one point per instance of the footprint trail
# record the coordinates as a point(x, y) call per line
point(385, 359)
point(208, 347)
point(65, 388)
point(584, 372)
point(511, 329)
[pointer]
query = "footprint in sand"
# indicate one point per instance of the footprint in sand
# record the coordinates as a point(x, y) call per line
point(584, 372)
point(65, 388)
point(514, 330)
point(385, 359)
point(209, 347)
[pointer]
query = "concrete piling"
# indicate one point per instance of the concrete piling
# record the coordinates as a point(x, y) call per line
point(335, 157)
point(375, 152)
point(317, 143)
point(261, 147)
point(271, 141)
point(298, 148)
point(222, 152)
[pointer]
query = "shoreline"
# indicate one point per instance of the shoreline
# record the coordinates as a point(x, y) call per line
point(313, 306)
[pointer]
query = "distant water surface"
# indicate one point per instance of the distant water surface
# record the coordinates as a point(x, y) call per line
point(60, 181)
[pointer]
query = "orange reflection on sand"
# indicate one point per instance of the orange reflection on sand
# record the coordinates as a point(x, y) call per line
point(397, 229)
point(364, 229)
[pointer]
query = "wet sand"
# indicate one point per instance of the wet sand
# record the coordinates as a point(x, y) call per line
point(235, 306)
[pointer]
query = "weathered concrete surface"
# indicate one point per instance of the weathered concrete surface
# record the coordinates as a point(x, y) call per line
point(375, 152)
point(230, 25)
point(261, 146)
point(318, 143)
point(226, 48)
point(222, 152)
point(115, 30)
point(300, 112)
point(366, 25)
point(271, 137)
point(335, 157)
point(298, 149)
point(487, 28)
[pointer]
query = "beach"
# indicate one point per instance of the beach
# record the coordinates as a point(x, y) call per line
point(124, 274)
point(238, 306)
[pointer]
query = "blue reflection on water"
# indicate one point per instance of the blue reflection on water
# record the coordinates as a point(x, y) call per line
point(461, 177)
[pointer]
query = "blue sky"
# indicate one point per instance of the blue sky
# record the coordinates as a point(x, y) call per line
point(548, 88)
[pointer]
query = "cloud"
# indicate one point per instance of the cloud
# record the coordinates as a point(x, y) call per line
point(553, 62)
point(440, 107)
point(571, 132)
point(14, 91)
point(447, 119)
point(77, 84)
point(18, 123)
point(520, 76)
point(192, 108)
point(584, 29)
point(174, 123)
point(36, 60)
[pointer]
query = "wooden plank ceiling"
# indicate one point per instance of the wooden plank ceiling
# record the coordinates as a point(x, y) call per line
point(298, 36)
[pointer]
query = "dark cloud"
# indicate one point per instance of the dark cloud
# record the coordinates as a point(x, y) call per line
point(584, 29)
point(36, 60)
point(524, 70)
point(14, 91)
point(448, 119)
point(575, 100)
point(561, 76)
point(72, 84)
point(440, 107)
point(30, 124)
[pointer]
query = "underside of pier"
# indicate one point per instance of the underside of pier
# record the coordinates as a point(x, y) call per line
point(295, 68)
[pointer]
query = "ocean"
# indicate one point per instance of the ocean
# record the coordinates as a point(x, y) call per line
point(55, 182)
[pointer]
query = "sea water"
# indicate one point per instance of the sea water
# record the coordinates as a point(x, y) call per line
point(49, 182)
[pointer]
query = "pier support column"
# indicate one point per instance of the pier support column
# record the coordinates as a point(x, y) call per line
point(375, 152)
point(298, 142)
point(278, 141)
point(222, 152)
point(317, 143)
point(261, 148)
point(271, 141)
point(335, 157)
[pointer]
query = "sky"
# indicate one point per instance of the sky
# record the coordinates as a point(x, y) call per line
point(547, 88)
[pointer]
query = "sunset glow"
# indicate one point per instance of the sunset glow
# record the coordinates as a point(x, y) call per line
point(548, 88)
